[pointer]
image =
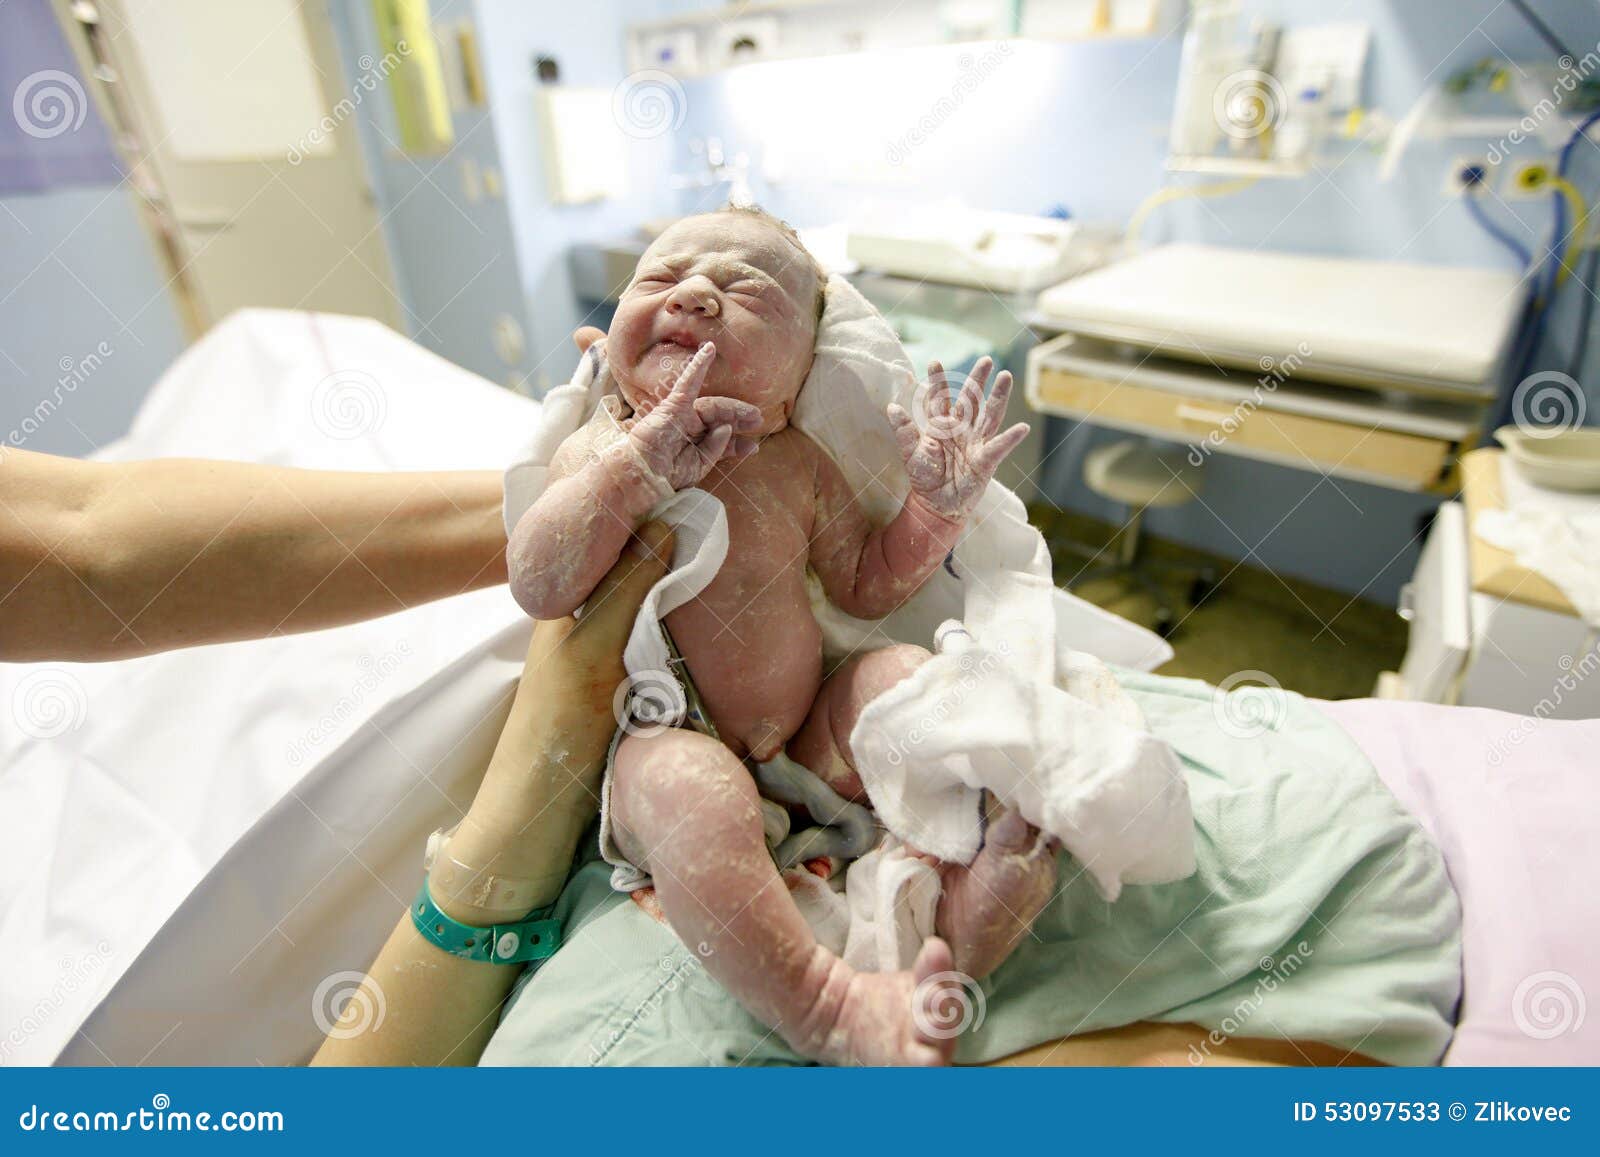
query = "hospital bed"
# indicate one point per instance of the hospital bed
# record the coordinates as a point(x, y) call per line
point(208, 848)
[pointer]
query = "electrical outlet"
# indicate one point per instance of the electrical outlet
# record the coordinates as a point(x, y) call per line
point(1529, 178)
point(1458, 175)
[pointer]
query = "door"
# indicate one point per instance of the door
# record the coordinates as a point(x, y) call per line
point(240, 120)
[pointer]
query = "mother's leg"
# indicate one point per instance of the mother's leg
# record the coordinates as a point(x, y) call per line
point(685, 810)
point(986, 906)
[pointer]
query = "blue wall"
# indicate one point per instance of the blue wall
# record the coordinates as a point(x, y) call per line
point(86, 325)
point(586, 40)
point(1085, 125)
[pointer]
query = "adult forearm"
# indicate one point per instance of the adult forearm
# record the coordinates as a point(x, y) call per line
point(540, 792)
point(536, 799)
point(180, 552)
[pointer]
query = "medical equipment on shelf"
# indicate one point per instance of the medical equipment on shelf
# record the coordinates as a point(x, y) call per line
point(1262, 98)
point(1004, 252)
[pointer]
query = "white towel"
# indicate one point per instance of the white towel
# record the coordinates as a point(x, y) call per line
point(1046, 728)
point(1564, 547)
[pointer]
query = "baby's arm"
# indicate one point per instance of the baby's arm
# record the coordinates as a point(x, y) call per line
point(867, 571)
point(605, 488)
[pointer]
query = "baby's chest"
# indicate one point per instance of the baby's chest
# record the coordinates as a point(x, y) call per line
point(769, 523)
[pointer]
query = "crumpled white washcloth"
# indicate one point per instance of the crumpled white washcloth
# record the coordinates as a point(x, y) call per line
point(1072, 752)
point(1565, 548)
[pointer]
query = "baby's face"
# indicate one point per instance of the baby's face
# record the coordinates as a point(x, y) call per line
point(731, 279)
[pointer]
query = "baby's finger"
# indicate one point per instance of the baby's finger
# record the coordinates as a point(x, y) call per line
point(994, 451)
point(938, 390)
point(906, 434)
point(972, 389)
point(728, 412)
point(713, 445)
point(742, 447)
point(994, 409)
point(687, 388)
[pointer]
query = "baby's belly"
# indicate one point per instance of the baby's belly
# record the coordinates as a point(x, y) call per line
point(756, 660)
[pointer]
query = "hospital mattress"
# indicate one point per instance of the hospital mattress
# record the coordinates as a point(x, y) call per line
point(1381, 324)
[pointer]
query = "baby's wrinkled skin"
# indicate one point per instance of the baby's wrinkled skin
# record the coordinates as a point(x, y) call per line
point(709, 348)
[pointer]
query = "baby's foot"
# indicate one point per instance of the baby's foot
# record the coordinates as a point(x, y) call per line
point(987, 906)
point(881, 1018)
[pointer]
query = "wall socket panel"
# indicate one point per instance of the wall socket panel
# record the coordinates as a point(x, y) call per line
point(1454, 186)
point(1511, 182)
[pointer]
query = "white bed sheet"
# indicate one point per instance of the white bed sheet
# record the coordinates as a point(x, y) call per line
point(112, 823)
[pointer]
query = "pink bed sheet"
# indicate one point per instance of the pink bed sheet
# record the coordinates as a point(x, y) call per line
point(1514, 804)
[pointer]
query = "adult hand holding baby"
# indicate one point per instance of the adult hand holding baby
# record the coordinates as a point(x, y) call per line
point(540, 791)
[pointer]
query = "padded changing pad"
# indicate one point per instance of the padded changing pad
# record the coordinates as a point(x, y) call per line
point(1367, 322)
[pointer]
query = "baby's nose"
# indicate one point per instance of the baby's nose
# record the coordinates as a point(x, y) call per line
point(697, 295)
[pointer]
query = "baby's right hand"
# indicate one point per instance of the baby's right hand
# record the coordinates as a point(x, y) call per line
point(685, 435)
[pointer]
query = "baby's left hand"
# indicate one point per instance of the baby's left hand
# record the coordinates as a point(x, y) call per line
point(953, 450)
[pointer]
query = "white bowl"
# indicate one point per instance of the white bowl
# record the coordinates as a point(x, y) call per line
point(1561, 460)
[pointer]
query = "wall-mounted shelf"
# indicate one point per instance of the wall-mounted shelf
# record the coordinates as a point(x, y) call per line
point(1238, 166)
point(711, 40)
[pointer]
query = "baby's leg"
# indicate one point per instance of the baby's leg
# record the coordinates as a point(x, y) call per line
point(986, 906)
point(685, 810)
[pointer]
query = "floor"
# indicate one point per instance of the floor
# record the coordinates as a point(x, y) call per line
point(1320, 642)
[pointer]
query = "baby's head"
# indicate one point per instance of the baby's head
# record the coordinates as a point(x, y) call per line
point(740, 278)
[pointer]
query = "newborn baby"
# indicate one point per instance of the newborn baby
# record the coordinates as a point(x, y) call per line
point(711, 344)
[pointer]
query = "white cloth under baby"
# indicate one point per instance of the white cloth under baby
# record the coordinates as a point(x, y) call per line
point(1553, 533)
point(1046, 728)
